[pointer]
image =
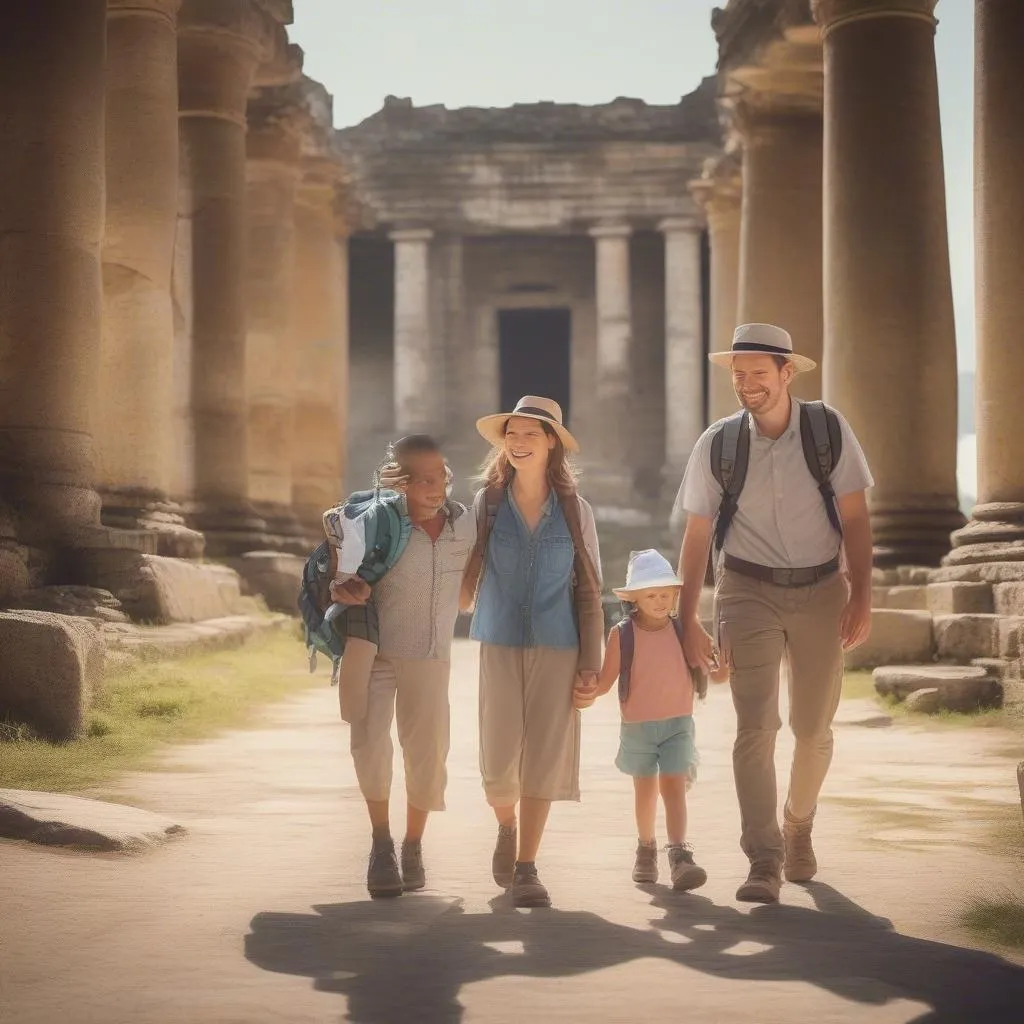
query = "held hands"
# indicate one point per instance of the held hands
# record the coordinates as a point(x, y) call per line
point(585, 692)
point(700, 651)
point(855, 624)
point(351, 593)
point(698, 647)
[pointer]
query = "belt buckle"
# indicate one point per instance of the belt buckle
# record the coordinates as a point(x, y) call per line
point(783, 577)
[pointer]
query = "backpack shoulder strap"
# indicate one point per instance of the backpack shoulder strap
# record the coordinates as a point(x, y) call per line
point(586, 587)
point(730, 455)
point(822, 440)
point(627, 642)
point(485, 506)
point(700, 680)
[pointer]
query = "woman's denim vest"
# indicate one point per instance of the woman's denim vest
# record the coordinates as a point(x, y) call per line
point(525, 597)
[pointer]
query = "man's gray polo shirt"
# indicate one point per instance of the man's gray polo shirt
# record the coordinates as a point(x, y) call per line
point(781, 519)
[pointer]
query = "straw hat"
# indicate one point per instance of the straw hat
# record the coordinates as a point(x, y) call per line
point(547, 410)
point(767, 338)
point(647, 569)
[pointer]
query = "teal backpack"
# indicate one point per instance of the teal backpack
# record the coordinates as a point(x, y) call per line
point(381, 517)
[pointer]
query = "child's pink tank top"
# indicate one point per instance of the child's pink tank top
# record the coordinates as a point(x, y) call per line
point(659, 686)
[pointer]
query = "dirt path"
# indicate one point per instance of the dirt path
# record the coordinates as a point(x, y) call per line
point(261, 915)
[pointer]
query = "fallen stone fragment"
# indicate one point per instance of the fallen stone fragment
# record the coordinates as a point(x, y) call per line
point(54, 819)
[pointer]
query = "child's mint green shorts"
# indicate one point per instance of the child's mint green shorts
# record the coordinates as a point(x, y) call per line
point(667, 747)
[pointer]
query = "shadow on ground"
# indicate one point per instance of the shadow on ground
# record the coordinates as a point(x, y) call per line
point(408, 959)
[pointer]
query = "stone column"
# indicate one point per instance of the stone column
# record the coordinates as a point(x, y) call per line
point(342, 330)
point(220, 46)
point(51, 223)
point(996, 530)
point(890, 353)
point(610, 478)
point(781, 230)
point(273, 148)
point(415, 376)
point(718, 191)
point(321, 347)
point(684, 345)
point(135, 407)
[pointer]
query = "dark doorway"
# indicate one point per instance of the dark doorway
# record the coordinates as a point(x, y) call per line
point(534, 355)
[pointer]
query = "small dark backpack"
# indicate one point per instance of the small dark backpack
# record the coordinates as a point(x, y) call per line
point(822, 441)
point(627, 645)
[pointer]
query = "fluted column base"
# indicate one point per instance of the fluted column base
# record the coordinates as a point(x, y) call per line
point(913, 536)
point(995, 533)
point(230, 527)
point(150, 511)
point(284, 531)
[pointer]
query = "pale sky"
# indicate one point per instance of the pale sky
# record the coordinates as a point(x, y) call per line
point(498, 52)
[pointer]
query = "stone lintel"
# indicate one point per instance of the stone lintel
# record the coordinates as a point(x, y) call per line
point(833, 14)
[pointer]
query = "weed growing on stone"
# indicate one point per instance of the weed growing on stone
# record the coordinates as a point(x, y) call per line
point(151, 704)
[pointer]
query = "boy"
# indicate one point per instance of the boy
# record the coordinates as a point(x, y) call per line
point(417, 602)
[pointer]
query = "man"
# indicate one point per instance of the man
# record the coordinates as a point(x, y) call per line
point(780, 593)
point(417, 603)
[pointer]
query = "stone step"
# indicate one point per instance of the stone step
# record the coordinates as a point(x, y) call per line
point(913, 597)
point(1011, 637)
point(953, 687)
point(961, 637)
point(898, 636)
point(959, 597)
point(1009, 598)
point(998, 668)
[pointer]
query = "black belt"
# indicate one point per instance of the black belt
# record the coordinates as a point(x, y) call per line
point(802, 577)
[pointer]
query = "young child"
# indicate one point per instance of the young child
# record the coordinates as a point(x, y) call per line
point(645, 657)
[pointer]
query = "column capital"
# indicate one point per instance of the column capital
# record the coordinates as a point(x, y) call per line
point(220, 45)
point(761, 118)
point(610, 231)
point(411, 234)
point(681, 225)
point(166, 9)
point(719, 189)
point(277, 119)
point(833, 14)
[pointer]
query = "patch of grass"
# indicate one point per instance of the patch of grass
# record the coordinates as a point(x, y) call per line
point(859, 685)
point(150, 705)
point(999, 921)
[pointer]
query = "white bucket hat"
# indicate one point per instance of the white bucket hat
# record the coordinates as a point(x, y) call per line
point(647, 569)
point(766, 338)
point(547, 410)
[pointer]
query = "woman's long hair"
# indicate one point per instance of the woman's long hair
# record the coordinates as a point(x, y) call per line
point(562, 476)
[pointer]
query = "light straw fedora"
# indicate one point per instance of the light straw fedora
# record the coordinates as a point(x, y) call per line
point(547, 410)
point(647, 569)
point(767, 338)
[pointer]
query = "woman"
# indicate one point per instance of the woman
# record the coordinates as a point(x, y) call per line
point(535, 579)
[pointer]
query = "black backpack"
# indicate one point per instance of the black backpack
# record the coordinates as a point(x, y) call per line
point(822, 441)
